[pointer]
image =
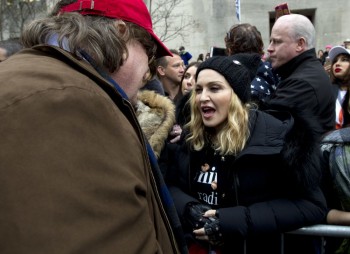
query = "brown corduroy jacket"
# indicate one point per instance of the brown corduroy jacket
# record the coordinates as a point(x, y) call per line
point(74, 172)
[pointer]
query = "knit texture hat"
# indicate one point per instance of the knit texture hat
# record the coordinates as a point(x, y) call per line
point(239, 70)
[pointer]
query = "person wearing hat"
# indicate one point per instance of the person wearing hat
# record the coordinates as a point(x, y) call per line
point(340, 77)
point(335, 147)
point(328, 48)
point(241, 176)
point(77, 174)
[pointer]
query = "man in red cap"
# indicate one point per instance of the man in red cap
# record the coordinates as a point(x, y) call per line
point(77, 175)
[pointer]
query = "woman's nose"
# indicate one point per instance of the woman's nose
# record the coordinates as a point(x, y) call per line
point(204, 96)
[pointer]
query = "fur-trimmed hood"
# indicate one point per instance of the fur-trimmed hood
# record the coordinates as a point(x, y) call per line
point(156, 115)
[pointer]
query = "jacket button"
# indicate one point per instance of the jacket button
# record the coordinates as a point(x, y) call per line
point(223, 195)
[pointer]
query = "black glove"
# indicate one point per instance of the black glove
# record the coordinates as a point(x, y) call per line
point(212, 230)
point(193, 215)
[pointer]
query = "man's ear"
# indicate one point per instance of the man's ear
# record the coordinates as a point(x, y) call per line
point(301, 45)
point(160, 70)
point(121, 26)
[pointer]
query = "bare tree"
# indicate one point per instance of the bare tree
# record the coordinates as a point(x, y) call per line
point(14, 14)
point(167, 21)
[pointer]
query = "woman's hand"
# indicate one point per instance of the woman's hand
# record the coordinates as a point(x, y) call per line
point(200, 233)
point(175, 133)
point(209, 213)
point(211, 230)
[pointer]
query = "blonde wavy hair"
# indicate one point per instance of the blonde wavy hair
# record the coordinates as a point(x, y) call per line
point(232, 137)
point(98, 36)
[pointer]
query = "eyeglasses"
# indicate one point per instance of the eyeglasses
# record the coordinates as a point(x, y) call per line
point(150, 48)
point(151, 53)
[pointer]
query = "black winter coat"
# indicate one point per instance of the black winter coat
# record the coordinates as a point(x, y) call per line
point(305, 90)
point(270, 187)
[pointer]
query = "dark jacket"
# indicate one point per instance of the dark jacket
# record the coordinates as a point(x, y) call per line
point(186, 57)
point(272, 186)
point(183, 109)
point(75, 174)
point(305, 90)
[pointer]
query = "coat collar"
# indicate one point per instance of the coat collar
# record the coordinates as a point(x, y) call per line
point(84, 67)
point(288, 68)
point(267, 132)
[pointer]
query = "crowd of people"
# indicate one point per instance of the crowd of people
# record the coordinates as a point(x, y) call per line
point(111, 142)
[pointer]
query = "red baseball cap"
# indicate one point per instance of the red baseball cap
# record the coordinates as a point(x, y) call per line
point(134, 11)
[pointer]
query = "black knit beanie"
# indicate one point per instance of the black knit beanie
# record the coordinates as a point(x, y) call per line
point(239, 70)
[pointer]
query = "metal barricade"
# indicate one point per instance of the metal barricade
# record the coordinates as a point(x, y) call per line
point(318, 230)
point(324, 230)
point(321, 231)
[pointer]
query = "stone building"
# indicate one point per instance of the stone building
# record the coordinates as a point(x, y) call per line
point(215, 17)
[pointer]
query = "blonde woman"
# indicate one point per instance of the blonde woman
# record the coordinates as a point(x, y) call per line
point(241, 174)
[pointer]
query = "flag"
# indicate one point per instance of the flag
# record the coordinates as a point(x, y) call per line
point(238, 10)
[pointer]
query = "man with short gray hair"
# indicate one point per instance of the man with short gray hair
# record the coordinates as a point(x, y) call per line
point(305, 91)
point(305, 88)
